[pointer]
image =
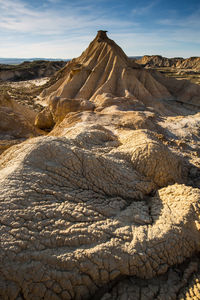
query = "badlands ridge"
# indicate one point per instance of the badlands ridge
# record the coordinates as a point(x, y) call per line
point(99, 192)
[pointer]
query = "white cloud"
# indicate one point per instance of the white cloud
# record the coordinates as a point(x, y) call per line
point(191, 21)
point(64, 32)
point(183, 29)
point(132, 43)
point(158, 42)
point(142, 10)
point(16, 16)
point(59, 48)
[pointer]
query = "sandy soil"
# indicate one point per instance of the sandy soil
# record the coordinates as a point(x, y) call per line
point(30, 83)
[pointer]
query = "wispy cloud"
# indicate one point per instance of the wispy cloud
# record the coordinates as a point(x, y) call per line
point(192, 20)
point(145, 9)
point(160, 42)
point(17, 16)
point(58, 48)
point(63, 28)
point(183, 29)
point(52, 30)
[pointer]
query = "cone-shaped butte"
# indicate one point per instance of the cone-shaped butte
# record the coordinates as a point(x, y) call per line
point(104, 68)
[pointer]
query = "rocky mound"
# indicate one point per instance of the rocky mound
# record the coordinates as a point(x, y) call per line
point(104, 68)
point(177, 68)
point(16, 122)
point(159, 61)
point(30, 70)
point(57, 110)
point(192, 63)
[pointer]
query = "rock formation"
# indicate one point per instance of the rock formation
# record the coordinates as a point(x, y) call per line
point(103, 68)
point(191, 63)
point(159, 61)
point(57, 110)
point(107, 205)
point(30, 70)
point(16, 122)
point(176, 67)
point(176, 62)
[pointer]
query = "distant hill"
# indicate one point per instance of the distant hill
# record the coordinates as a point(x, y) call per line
point(16, 61)
point(30, 70)
point(177, 62)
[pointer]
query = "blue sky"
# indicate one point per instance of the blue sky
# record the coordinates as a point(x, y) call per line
point(63, 29)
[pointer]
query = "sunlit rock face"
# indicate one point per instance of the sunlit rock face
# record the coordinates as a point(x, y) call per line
point(104, 69)
point(16, 122)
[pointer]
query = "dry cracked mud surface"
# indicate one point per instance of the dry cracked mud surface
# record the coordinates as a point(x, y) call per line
point(83, 217)
point(106, 205)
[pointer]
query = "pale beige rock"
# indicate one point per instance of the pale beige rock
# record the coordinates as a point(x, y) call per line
point(44, 119)
point(58, 109)
point(152, 158)
point(76, 215)
point(121, 103)
point(179, 283)
point(16, 122)
point(148, 154)
point(110, 118)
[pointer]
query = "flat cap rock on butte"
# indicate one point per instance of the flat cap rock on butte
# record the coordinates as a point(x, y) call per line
point(101, 208)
